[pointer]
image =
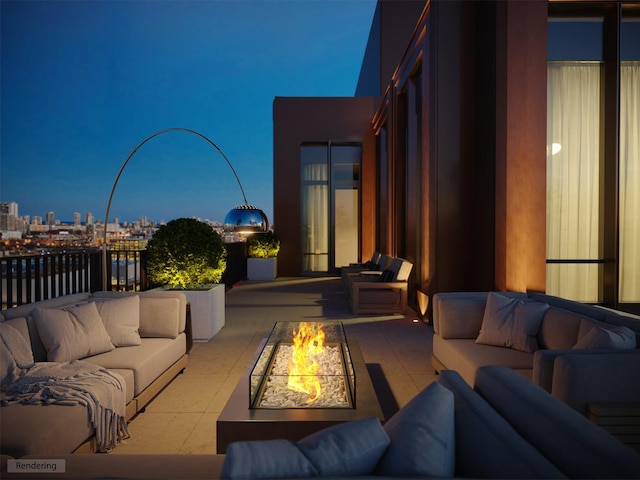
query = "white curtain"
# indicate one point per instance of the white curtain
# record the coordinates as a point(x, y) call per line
point(630, 182)
point(315, 217)
point(573, 179)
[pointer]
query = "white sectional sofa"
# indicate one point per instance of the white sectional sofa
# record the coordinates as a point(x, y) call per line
point(581, 354)
point(143, 339)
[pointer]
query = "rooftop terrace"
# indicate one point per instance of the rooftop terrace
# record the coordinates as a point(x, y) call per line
point(182, 419)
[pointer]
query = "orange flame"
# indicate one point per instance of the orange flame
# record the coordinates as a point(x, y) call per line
point(308, 341)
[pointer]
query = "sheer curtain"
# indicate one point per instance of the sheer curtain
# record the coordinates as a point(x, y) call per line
point(573, 179)
point(630, 182)
point(315, 217)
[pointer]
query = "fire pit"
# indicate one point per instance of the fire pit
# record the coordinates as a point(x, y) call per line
point(303, 365)
point(238, 421)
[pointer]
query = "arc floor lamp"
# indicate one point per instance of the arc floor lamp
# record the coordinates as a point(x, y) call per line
point(243, 219)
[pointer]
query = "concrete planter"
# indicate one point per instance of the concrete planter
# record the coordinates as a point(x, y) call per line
point(207, 311)
point(262, 268)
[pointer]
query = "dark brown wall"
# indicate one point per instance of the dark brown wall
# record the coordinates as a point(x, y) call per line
point(483, 195)
point(488, 104)
point(521, 86)
point(298, 120)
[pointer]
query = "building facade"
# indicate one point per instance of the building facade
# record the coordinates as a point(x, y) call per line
point(459, 169)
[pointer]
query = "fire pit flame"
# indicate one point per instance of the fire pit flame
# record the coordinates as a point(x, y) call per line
point(308, 342)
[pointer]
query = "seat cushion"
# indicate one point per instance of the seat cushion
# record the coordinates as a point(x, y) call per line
point(466, 356)
point(44, 429)
point(129, 381)
point(147, 360)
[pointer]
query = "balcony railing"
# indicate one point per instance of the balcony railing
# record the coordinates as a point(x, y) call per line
point(31, 278)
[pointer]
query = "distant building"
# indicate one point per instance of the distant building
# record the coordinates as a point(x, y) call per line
point(11, 225)
point(51, 219)
point(10, 208)
point(76, 219)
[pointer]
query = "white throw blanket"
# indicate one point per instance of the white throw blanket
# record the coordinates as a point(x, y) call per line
point(70, 383)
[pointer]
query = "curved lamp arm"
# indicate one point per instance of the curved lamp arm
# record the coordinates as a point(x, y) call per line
point(115, 183)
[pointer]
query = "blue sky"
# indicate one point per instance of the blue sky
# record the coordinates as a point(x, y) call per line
point(83, 82)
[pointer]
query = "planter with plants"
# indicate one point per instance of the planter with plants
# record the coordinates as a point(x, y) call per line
point(262, 252)
point(188, 255)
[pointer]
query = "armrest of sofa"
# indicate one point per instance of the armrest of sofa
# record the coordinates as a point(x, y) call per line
point(543, 361)
point(578, 447)
point(596, 376)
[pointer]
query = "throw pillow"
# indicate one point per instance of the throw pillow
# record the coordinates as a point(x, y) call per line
point(71, 333)
point(422, 436)
point(347, 449)
point(159, 317)
point(344, 450)
point(604, 337)
point(15, 354)
point(266, 459)
point(121, 318)
point(511, 322)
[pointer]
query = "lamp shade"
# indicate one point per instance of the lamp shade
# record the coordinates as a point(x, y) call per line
point(246, 219)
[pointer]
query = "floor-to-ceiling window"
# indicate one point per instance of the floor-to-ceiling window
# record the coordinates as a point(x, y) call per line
point(630, 158)
point(593, 127)
point(315, 208)
point(330, 205)
point(345, 188)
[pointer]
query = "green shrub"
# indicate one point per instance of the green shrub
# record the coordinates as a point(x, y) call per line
point(263, 245)
point(186, 253)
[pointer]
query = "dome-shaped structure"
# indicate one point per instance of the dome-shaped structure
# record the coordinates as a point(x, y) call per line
point(246, 219)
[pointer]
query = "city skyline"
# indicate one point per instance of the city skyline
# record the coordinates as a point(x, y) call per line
point(84, 82)
point(95, 219)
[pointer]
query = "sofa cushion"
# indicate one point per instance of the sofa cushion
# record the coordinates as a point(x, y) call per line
point(121, 318)
point(72, 333)
point(147, 360)
point(343, 450)
point(465, 356)
point(576, 446)
point(559, 329)
point(156, 318)
point(628, 320)
point(458, 314)
point(487, 446)
point(60, 429)
point(129, 381)
point(511, 322)
point(422, 436)
point(27, 328)
point(15, 354)
point(606, 336)
point(347, 449)
point(266, 459)
point(159, 317)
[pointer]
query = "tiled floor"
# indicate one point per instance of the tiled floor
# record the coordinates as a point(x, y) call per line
point(182, 418)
